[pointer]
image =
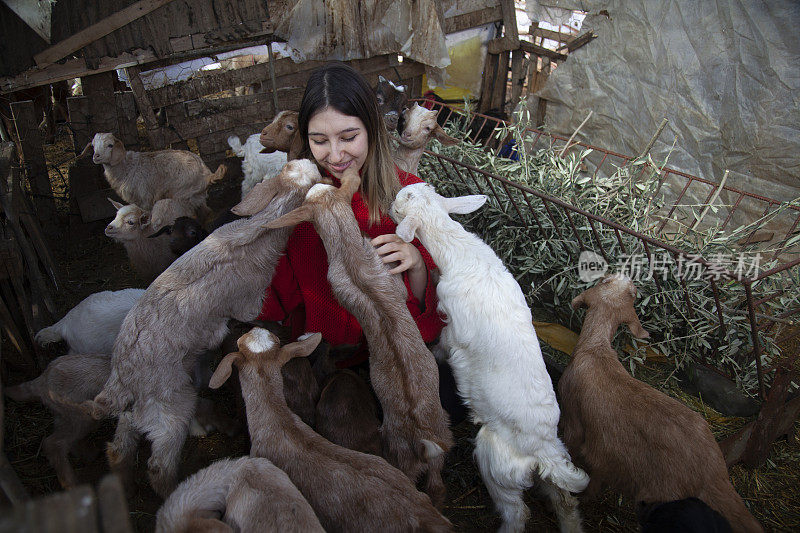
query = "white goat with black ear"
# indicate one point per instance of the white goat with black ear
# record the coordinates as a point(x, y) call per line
point(142, 178)
point(184, 312)
point(249, 495)
point(496, 360)
point(93, 324)
point(420, 125)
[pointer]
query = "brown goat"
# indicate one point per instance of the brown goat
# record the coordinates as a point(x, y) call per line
point(415, 431)
point(282, 134)
point(347, 411)
point(629, 436)
point(348, 490)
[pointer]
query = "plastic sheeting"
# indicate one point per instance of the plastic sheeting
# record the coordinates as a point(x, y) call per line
point(725, 74)
point(356, 29)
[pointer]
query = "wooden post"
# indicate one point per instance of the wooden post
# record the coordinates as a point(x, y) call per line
point(99, 90)
point(517, 76)
point(154, 132)
point(30, 139)
point(126, 118)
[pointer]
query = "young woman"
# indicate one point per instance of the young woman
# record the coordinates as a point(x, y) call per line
point(341, 129)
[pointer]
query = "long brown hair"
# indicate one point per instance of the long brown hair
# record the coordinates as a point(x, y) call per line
point(340, 87)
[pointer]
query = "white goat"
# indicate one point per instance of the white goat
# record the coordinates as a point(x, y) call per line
point(249, 494)
point(142, 178)
point(256, 166)
point(420, 126)
point(133, 226)
point(184, 312)
point(496, 360)
point(93, 324)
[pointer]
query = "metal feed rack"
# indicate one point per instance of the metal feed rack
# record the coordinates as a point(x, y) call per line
point(776, 416)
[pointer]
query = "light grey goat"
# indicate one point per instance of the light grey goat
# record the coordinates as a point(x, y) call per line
point(248, 495)
point(184, 312)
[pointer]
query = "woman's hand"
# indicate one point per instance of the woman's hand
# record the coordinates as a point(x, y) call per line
point(392, 248)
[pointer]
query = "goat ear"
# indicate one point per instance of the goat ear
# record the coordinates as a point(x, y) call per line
point(635, 326)
point(85, 150)
point(144, 218)
point(461, 205)
point(223, 371)
point(407, 228)
point(381, 78)
point(300, 348)
point(443, 137)
point(579, 301)
point(257, 199)
point(292, 218)
point(296, 147)
point(116, 204)
point(165, 229)
point(117, 152)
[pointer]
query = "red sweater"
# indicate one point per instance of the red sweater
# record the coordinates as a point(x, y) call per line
point(300, 290)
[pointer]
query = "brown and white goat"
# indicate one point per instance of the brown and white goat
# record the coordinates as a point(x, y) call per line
point(282, 134)
point(631, 437)
point(348, 490)
point(392, 101)
point(415, 430)
point(420, 126)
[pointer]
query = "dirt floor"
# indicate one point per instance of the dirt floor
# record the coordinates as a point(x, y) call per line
point(90, 262)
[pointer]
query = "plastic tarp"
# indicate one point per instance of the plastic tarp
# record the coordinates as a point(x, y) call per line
point(356, 29)
point(725, 74)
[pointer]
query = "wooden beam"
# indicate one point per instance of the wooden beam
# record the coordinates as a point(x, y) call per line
point(552, 35)
point(579, 41)
point(474, 19)
point(535, 49)
point(96, 31)
point(154, 132)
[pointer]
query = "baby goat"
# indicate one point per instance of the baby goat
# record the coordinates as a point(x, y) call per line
point(415, 431)
point(249, 495)
point(496, 360)
point(256, 166)
point(142, 178)
point(282, 134)
point(184, 312)
point(349, 491)
point(392, 101)
point(631, 437)
point(93, 324)
point(420, 126)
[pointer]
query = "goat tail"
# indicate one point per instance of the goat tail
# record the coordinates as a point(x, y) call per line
point(556, 466)
point(219, 174)
point(48, 335)
point(24, 392)
point(236, 145)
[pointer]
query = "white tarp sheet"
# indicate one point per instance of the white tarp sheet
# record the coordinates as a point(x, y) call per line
point(725, 74)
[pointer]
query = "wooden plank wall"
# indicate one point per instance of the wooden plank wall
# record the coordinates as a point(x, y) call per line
point(192, 114)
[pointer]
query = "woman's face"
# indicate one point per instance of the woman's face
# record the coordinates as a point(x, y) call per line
point(337, 141)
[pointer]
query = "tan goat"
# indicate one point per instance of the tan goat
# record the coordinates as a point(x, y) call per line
point(415, 431)
point(348, 490)
point(629, 436)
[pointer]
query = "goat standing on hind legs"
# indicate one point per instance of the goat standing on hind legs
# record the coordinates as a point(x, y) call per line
point(631, 437)
point(496, 360)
